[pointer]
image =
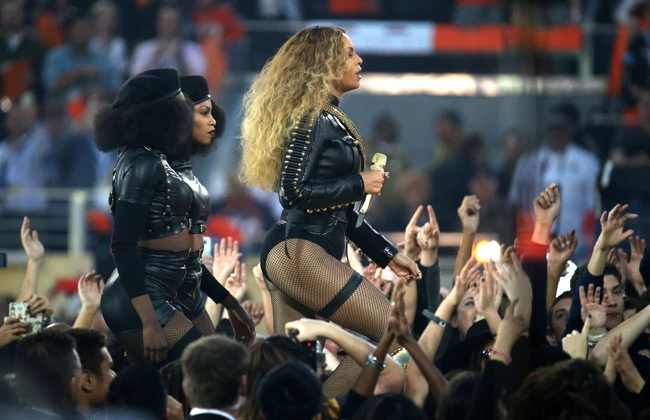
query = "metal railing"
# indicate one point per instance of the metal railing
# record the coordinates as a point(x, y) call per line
point(58, 214)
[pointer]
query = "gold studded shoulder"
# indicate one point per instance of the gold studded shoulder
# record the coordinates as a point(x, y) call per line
point(352, 129)
point(301, 138)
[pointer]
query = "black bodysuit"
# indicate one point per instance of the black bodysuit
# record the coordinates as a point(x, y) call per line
point(190, 298)
point(319, 185)
point(149, 200)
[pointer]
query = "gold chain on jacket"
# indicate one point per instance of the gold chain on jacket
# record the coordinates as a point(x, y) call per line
point(349, 125)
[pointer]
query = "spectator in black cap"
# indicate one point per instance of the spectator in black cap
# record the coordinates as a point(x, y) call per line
point(148, 121)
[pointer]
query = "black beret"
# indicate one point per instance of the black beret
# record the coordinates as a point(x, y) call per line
point(148, 87)
point(196, 88)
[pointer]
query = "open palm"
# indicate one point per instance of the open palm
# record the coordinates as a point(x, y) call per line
point(612, 225)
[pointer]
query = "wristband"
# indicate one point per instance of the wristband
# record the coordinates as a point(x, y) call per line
point(595, 338)
point(435, 319)
point(488, 353)
point(373, 362)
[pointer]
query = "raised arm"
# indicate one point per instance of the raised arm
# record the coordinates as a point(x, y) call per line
point(391, 378)
point(90, 289)
point(416, 388)
point(35, 252)
point(468, 212)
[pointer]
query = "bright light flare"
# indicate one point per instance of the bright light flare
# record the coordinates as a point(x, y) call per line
point(486, 251)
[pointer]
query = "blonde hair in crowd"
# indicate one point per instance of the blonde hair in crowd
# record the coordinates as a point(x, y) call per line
point(295, 82)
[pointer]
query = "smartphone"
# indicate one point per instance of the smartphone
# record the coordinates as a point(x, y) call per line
point(20, 310)
point(207, 245)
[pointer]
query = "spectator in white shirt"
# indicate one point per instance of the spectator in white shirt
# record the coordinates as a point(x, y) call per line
point(562, 162)
point(169, 49)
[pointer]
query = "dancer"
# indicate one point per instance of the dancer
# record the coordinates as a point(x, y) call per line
point(295, 139)
point(148, 120)
point(209, 125)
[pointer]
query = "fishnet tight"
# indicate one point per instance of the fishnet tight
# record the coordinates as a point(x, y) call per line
point(174, 330)
point(305, 283)
point(204, 323)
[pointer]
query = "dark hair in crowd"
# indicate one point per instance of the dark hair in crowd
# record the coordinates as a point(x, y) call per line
point(162, 125)
point(454, 404)
point(611, 270)
point(389, 407)
point(291, 391)
point(138, 388)
point(264, 356)
point(575, 389)
point(89, 344)
point(213, 367)
point(46, 362)
point(172, 377)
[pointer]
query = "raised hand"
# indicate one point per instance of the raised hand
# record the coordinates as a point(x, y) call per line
point(591, 307)
point(39, 305)
point(307, 329)
point(90, 289)
point(512, 278)
point(511, 327)
point(405, 268)
point(618, 258)
point(623, 364)
point(226, 256)
point(562, 249)
point(255, 310)
point(515, 282)
point(259, 277)
point(428, 236)
point(637, 247)
point(489, 296)
point(468, 212)
point(575, 344)
point(486, 294)
point(470, 274)
point(547, 205)
point(411, 248)
point(236, 282)
point(612, 224)
point(12, 330)
point(32, 246)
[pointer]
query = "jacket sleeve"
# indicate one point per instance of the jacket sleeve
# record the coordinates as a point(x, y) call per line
point(297, 187)
point(134, 198)
point(375, 246)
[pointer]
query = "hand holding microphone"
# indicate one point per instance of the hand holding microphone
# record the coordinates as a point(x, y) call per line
point(373, 182)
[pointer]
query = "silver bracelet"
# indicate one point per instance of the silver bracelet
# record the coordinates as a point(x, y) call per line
point(372, 361)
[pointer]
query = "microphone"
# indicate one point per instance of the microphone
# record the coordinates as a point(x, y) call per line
point(378, 164)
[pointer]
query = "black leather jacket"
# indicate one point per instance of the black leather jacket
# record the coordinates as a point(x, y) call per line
point(200, 209)
point(320, 181)
point(143, 176)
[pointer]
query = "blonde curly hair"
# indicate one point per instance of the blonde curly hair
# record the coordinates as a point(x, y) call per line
point(295, 82)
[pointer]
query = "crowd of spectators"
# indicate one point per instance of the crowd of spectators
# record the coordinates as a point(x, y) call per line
point(506, 341)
